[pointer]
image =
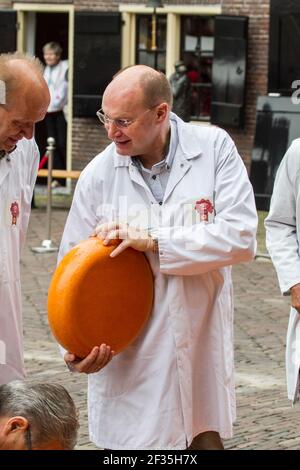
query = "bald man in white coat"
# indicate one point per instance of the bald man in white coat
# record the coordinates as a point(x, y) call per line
point(24, 98)
point(180, 193)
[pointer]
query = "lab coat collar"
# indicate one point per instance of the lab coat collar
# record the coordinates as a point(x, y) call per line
point(188, 138)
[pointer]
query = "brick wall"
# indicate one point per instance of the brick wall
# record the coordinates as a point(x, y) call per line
point(5, 3)
point(257, 76)
point(89, 139)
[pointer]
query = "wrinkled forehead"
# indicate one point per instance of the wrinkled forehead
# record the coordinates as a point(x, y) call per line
point(24, 107)
point(122, 99)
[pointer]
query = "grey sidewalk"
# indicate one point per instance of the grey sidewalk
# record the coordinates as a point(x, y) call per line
point(265, 418)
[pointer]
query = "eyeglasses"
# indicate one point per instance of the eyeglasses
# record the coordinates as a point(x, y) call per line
point(119, 123)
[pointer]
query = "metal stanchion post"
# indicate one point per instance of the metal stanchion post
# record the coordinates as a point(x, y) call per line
point(47, 246)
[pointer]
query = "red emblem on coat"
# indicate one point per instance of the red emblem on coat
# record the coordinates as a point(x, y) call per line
point(204, 207)
point(14, 210)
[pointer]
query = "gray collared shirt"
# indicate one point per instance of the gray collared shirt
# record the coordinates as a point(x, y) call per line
point(157, 177)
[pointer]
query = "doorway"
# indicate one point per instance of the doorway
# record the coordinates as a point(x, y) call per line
point(38, 25)
point(49, 27)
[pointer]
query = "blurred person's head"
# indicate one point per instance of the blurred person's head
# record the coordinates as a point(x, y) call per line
point(180, 67)
point(24, 98)
point(37, 417)
point(52, 53)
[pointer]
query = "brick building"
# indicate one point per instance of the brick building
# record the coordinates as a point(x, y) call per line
point(99, 36)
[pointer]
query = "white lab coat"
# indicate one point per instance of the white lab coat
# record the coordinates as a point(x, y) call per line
point(283, 236)
point(17, 178)
point(176, 380)
point(58, 85)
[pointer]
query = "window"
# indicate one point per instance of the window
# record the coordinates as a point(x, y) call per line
point(144, 53)
point(284, 67)
point(196, 50)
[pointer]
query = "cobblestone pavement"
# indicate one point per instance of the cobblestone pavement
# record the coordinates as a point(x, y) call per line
point(265, 417)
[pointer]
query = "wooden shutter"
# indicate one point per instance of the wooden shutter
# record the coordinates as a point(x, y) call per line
point(8, 31)
point(229, 70)
point(97, 51)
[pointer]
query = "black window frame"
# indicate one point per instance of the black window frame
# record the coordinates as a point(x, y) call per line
point(279, 11)
point(157, 51)
point(202, 55)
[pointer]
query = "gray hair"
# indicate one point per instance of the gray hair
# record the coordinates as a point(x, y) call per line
point(156, 88)
point(49, 409)
point(53, 46)
point(8, 80)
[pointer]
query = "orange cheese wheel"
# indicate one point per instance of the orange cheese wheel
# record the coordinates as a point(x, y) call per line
point(95, 299)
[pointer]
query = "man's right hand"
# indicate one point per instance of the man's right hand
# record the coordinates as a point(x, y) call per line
point(98, 358)
point(295, 297)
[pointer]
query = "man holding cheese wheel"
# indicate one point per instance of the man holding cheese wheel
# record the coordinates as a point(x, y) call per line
point(181, 194)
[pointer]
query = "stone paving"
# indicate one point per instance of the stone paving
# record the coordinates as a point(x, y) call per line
point(265, 417)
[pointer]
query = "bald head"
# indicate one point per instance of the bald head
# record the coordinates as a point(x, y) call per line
point(21, 74)
point(24, 97)
point(141, 97)
point(153, 86)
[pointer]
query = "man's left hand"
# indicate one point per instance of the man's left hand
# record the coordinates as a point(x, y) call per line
point(131, 237)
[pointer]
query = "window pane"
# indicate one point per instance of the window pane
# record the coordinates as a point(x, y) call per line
point(161, 32)
point(198, 26)
point(144, 52)
point(289, 67)
point(157, 60)
point(197, 46)
point(146, 58)
point(144, 33)
point(201, 102)
point(161, 62)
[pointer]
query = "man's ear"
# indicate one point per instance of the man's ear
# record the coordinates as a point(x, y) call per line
point(162, 111)
point(15, 424)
